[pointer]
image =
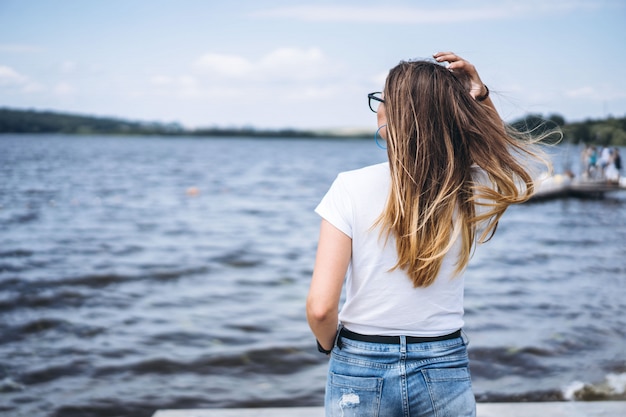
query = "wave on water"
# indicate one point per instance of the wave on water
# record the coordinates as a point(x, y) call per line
point(122, 295)
point(269, 361)
point(613, 388)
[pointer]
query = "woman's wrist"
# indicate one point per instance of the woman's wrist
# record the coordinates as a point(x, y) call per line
point(484, 95)
point(321, 349)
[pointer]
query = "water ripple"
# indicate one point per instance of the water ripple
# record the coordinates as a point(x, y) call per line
point(122, 284)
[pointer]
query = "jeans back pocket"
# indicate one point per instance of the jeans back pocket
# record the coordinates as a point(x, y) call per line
point(450, 391)
point(353, 395)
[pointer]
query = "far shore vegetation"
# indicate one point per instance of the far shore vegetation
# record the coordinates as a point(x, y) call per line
point(608, 132)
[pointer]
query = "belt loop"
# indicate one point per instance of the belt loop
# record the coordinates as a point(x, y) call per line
point(465, 337)
point(338, 336)
point(403, 344)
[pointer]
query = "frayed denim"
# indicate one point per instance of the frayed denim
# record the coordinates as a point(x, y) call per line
point(406, 380)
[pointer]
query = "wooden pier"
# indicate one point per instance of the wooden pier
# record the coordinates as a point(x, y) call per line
point(562, 186)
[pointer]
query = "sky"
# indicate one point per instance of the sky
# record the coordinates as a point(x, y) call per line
point(274, 64)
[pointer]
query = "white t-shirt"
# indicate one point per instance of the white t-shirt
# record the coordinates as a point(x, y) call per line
point(379, 301)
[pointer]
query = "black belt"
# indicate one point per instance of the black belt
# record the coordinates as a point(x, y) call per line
point(395, 340)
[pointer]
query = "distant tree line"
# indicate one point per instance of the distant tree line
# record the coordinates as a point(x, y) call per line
point(610, 131)
point(31, 121)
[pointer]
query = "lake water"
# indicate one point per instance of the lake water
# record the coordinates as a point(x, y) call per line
point(147, 273)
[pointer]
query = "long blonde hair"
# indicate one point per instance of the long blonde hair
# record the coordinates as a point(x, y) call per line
point(436, 135)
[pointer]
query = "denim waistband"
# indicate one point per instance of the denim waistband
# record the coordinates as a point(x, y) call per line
point(395, 340)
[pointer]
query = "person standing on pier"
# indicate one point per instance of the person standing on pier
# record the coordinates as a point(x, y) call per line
point(401, 233)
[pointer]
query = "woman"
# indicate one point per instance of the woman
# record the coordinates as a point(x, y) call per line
point(402, 233)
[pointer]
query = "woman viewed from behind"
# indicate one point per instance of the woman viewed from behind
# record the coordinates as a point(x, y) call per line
point(401, 234)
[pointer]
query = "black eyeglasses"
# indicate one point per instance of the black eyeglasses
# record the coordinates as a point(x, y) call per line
point(374, 100)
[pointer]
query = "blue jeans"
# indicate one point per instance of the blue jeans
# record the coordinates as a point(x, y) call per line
point(421, 379)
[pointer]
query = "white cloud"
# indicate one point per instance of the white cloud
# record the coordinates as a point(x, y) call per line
point(8, 76)
point(11, 78)
point(313, 93)
point(601, 93)
point(282, 63)
point(32, 87)
point(375, 14)
point(447, 13)
point(188, 86)
point(295, 63)
point(69, 67)
point(224, 65)
point(294, 78)
point(64, 89)
point(582, 92)
point(18, 48)
point(181, 86)
point(160, 80)
point(187, 81)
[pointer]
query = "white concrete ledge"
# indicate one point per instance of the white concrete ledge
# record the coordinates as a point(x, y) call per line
point(540, 409)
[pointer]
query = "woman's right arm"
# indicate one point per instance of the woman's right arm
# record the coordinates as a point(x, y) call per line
point(334, 251)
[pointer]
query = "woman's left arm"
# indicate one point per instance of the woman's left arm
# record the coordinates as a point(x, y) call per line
point(477, 88)
point(334, 251)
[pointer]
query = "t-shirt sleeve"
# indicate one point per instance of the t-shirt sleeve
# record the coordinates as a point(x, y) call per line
point(482, 205)
point(336, 207)
point(481, 178)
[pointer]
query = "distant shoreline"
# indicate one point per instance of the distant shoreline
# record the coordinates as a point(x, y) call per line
point(48, 122)
point(608, 132)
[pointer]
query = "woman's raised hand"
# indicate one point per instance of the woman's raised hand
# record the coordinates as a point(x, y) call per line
point(456, 63)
